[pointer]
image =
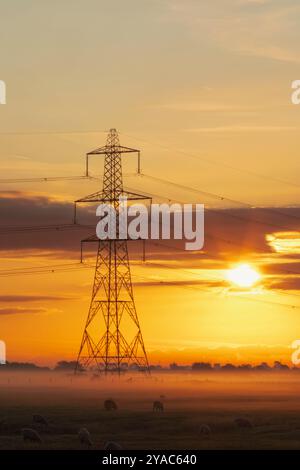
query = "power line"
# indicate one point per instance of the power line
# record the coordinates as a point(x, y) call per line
point(47, 266)
point(188, 154)
point(224, 198)
point(230, 242)
point(38, 228)
point(52, 132)
point(292, 306)
point(77, 266)
point(65, 267)
point(216, 279)
point(63, 227)
point(112, 303)
point(193, 190)
point(167, 182)
point(47, 179)
point(216, 163)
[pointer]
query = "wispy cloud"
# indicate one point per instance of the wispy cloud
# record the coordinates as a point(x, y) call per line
point(21, 310)
point(238, 128)
point(197, 105)
point(31, 298)
point(259, 28)
point(271, 52)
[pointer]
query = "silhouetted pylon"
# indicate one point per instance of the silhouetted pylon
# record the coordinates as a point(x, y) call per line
point(112, 336)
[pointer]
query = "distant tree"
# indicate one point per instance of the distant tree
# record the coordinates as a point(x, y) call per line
point(262, 366)
point(245, 367)
point(175, 366)
point(279, 365)
point(201, 366)
point(22, 366)
point(228, 366)
point(65, 366)
point(134, 366)
point(155, 367)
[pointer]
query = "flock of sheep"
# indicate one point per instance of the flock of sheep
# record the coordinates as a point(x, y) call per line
point(84, 436)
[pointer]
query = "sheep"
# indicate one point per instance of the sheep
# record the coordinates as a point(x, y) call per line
point(39, 419)
point(158, 406)
point(205, 430)
point(31, 435)
point(85, 437)
point(243, 423)
point(110, 405)
point(111, 445)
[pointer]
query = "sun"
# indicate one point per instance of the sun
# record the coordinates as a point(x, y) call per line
point(243, 275)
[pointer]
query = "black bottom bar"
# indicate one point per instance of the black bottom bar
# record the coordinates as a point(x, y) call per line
point(141, 458)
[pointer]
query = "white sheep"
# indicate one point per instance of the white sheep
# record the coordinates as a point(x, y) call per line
point(85, 437)
point(31, 435)
point(111, 445)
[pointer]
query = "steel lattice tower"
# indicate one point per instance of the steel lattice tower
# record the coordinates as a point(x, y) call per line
point(112, 335)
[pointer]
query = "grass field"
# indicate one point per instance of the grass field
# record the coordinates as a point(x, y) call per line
point(270, 402)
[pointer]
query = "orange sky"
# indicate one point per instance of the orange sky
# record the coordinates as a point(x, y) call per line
point(204, 91)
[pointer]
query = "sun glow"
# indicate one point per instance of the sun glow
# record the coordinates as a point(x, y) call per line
point(243, 276)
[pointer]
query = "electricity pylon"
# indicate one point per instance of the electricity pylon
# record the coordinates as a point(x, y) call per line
point(112, 335)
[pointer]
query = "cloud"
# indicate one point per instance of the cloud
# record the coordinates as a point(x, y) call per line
point(278, 266)
point(291, 283)
point(199, 106)
point(237, 128)
point(31, 298)
point(20, 210)
point(260, 2)
point(272, 52)
point(21, 310)
point(226, 230)
point(261, 28)
point(231, 235)
point(285, 242)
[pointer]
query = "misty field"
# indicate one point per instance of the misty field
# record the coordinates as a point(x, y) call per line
point(269, 401)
